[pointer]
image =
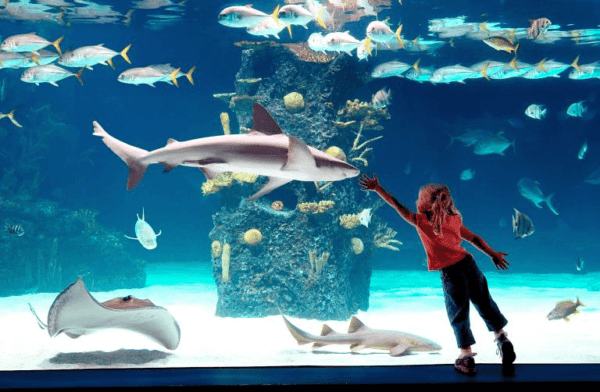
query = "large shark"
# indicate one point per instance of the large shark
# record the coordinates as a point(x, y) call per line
point(360, 336)
point(265, 151)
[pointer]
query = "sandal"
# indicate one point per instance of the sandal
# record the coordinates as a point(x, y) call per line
point(505, 350)
point(466, 365)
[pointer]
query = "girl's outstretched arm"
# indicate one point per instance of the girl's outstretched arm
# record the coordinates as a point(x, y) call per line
point(372, 184)
point(479, 243)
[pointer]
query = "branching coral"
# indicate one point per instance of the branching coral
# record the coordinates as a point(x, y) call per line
point(88, 218)
point(384, 239)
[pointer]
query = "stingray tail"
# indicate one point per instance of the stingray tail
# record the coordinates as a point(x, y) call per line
point(40, 322)
point(131, 155)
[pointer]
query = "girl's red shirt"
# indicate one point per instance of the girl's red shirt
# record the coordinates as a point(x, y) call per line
point(444, 250)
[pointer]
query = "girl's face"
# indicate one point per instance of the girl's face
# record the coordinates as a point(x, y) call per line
point(428, 194)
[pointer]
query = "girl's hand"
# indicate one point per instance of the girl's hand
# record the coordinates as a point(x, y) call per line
point(499, 262)
point(369, 184)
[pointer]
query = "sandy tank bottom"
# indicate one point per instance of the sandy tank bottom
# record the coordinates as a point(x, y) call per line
point(406, 301)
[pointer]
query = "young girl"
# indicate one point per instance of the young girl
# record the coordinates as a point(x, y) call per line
point(440, 228)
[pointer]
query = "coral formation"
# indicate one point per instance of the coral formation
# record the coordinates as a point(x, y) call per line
point(336, 152)
point(294, 102)
point(253, 237)
point(277, 205)
point(225, 258)
point(225, 180)
point(306, 54)
point(316, 208)
point(384, 239)
point(215, 248)
point(350, 221)
point(317, 263)
point(357, 245)
point(225, 123)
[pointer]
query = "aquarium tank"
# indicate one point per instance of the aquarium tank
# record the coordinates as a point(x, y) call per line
point(210, 186)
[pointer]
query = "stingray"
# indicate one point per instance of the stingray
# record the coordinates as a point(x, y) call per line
point(75, 312)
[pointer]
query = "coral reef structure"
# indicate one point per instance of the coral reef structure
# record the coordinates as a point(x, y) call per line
point(306, 266)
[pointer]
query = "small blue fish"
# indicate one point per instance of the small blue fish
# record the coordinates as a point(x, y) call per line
point(467, 174)
point(582, 150)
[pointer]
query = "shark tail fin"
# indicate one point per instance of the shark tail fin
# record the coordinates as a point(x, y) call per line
point(300, 336)
point(129, 154)
point(548, 202)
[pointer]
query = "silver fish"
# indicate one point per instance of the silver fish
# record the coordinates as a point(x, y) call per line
point(144, 233)
point(365, 217)
point(244, 16)
point(454, 73)
point(493, 144)
point(340, 42)
point(530, 189)
point(522, 225)
point(536, 111)
point(380, 32)
point(545, 69)
point(48, 74)
point(582, 150)
point(149, 75)
point(390, 68)
point(381, 98)
point(28, 43)
point(577, 109)
point(563, 309)
point(266, 28)
point(88, 56)
point(467, 174)
point(16, 230)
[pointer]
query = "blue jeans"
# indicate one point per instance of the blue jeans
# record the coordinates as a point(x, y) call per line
point(462, 282)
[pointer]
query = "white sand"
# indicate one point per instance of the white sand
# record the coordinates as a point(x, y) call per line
point(405, 301)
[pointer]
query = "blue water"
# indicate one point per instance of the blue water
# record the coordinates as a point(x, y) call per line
point(79, 172)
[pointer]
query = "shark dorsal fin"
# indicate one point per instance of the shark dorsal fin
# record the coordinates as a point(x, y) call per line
point(299, 157)
point(355, 325)
point(263, 122)
point(171, 141)
point(327, 330)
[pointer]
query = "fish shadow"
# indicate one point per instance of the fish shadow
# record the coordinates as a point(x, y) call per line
point(112, 358)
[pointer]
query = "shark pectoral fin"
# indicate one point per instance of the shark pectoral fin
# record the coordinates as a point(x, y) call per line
point(209, 173)
point(398, 350)
point(356, 346)
point(274, 183)
point(168, 166)
point(318, 345)
point(72, 335)
point(299, 157)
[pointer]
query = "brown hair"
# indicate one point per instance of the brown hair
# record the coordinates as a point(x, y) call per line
point(435, 202)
